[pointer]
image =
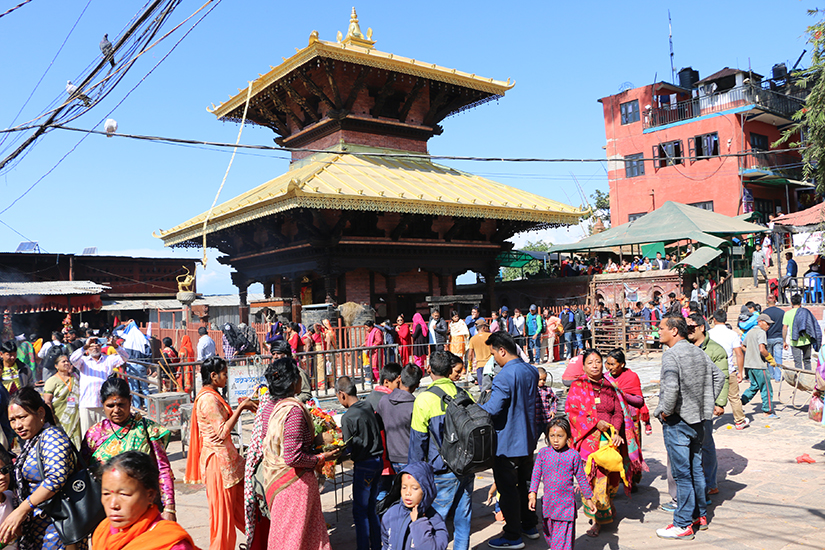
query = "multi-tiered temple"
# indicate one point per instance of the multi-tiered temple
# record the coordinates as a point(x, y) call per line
point(363, 214)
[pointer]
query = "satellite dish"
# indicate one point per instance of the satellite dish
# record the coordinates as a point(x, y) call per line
point(625, 86)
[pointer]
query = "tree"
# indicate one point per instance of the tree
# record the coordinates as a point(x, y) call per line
point(601, 209)
point(808, 130)
point(513, 273)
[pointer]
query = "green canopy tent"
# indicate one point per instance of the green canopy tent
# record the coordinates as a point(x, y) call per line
point(671, 223)
point(699, 258)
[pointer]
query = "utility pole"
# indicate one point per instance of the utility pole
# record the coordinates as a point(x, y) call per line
point(670, 38)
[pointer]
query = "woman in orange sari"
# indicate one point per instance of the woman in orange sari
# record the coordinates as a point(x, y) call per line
point(213, 458)
point(133, 522)
point(186, 354)
point(404, 340)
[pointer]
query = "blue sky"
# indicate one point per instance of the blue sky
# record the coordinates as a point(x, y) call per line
point(113, 193)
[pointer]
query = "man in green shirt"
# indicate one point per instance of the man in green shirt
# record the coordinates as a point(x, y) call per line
point(717, 354)
point(757, 358)
point(801, 349)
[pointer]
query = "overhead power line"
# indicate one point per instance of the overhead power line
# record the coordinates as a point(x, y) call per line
point(174, 140)
point(18, 6)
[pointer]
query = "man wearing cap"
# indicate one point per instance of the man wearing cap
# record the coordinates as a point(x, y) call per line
point(757, 359)
point(534, 330)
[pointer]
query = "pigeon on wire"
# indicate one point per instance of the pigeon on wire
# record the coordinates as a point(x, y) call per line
point(107, 50)
point(110, 126)
point(74, 93)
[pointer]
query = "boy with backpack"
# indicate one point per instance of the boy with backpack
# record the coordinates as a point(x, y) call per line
point(512, 405)
point(427, 434)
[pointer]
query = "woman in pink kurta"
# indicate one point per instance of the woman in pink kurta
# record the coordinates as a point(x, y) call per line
point(289, 465)
point(213, 458)
point(375, 337)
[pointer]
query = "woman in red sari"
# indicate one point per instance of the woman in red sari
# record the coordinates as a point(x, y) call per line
point(596, 410)
point(404, 340)
point(213, 458)
point(186, 354)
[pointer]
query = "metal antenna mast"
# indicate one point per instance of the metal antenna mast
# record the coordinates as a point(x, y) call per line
point(670, 38)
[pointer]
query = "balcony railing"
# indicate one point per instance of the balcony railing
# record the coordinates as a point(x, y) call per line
point(783, 165)
point(774, 102)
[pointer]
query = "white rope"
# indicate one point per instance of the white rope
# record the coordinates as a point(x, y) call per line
point(234, 151)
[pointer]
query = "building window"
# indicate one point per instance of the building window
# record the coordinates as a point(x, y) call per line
point(707, 205)
point(667, 154)
point(760, 142)
point(634, 166)
point(704, 146)
point(630, 111)
point(634, 217)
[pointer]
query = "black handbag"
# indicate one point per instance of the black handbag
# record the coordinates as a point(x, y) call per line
point(76, 510)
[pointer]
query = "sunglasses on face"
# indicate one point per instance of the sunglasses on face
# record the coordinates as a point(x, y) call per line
point(7, 469)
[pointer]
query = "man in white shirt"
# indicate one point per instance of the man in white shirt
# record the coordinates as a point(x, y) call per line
point(206, 345)
point(732, 345)
point(94, 369)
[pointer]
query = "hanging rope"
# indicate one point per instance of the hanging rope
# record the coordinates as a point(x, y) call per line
point(235, 150)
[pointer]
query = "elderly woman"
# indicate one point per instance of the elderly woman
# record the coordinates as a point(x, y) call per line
point(213, 458)
point(459, 334)
point(129, 490)
point(34, 424)
point(62, 393)
point(289, 464)
point(597, 409)
point(122, 430)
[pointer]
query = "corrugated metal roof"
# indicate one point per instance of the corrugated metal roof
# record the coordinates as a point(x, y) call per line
point(810, 216)
point(411, 184)
point(51, 288)
point(212, 301)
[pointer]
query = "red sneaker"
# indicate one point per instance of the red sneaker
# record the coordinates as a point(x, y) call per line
point(700, 524)
point(675, 533)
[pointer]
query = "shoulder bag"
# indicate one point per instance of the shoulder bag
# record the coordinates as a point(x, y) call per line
point(76, 509)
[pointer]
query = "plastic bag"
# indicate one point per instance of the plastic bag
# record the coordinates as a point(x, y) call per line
point(815, 408)
point(608, 458)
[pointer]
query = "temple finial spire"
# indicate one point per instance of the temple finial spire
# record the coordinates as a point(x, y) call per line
point(354, 35)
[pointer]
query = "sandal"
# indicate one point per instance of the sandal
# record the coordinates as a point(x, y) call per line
point(593, 532)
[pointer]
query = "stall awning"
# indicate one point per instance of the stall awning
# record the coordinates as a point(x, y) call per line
point(521, 258)
point(64, 296)
point(671, 223)
point(700, 257)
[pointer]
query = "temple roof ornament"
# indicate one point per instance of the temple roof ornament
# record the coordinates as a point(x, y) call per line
point(354, 35)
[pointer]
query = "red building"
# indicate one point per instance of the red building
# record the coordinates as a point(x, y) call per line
point(707, 143)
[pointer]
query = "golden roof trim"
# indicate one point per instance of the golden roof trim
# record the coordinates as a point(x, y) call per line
point(353, 53)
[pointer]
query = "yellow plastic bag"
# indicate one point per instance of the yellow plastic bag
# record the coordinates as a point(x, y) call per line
point(607, 457)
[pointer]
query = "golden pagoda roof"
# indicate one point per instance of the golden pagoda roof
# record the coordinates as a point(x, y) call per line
point(404, 184)
point(355, 48)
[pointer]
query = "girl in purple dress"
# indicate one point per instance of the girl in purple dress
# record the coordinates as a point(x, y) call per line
point(555, 468)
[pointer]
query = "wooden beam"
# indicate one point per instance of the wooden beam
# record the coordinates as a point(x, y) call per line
point(336, 95)
point(411, 97)
point(313, 88)
point(282, 127)
point(356, 87)
point(385, 92)
point(435, 104)
point(452, 105)
point(280, 105)
point(399, 229)
point(297, 98)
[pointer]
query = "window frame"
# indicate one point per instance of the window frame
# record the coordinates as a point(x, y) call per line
point(665, 154)
point(634, 217)
point(699, 144)
point(702, 205)
point(767, 142)
point(634, 165)
point(629, 115)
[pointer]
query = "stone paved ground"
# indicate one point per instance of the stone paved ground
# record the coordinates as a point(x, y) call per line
point(766, 499)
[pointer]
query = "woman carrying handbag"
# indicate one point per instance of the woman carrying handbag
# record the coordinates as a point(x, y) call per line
point(43, 468)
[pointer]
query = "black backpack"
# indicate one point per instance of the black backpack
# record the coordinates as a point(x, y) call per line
point(237, 339)
point(469, 443)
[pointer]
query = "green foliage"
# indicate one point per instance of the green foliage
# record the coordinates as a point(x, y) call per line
point(808, 128)
point(512, 273)
point(601, 209)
